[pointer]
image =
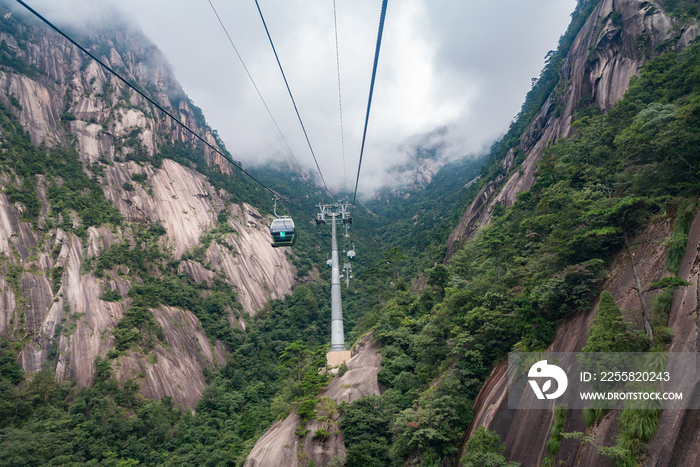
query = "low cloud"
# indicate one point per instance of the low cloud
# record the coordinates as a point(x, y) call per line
point(461, 67)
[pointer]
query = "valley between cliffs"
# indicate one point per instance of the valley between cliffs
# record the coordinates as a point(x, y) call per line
point(145, 318)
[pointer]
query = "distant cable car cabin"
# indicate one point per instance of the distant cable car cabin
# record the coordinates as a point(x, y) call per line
point(283, 232)
point(282, 229)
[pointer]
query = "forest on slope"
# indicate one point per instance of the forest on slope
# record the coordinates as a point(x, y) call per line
point(539, 262)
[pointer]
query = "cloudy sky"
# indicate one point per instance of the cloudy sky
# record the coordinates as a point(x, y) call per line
point(459, 66)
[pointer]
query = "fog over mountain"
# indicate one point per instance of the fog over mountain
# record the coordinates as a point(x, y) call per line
point(463, 67)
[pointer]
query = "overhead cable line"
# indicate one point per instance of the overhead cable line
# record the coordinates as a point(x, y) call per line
point(291, 96)
point(175, 119)
point(254, 85)
point(371, 90)
point(340, 99)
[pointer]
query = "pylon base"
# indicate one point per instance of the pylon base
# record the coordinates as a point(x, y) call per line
point(337, 357)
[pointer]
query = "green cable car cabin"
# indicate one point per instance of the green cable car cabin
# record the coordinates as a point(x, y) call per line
point(283, 232)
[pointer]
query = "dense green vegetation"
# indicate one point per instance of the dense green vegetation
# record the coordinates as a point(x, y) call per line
point(682, 9)
point(485, 449)
point(421, 223)
point(110, 424)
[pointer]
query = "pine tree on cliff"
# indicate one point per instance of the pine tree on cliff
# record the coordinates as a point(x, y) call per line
point(608, 332)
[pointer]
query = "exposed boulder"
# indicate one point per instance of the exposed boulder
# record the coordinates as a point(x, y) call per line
point(281, 446)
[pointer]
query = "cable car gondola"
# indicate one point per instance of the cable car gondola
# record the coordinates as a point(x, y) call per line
point(283, 232)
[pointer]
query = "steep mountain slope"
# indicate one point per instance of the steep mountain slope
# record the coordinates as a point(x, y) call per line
point(608, 49)
point(68, 269)
point(617, 39)
point(528, 446)
point(294, 442)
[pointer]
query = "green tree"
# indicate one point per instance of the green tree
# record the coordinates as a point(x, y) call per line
point(293, 357)
point(392, 257)
point(622, 217)
point(607, 337)
point(484, 449)
point(365, 425)
point(438, 277)
point(608, 333)
point(493, 240)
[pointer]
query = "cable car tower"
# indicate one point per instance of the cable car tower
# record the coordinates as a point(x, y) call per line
point(338, 354)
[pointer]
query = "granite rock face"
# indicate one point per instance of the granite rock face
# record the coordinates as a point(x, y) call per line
point(49, 294)
point(613, 44)
point(676, 428)
point(280, 446)
point(611, 47)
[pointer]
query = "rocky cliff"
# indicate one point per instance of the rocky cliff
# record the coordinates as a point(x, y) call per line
point(291, 442)
point(614, 42)
point(527, 446)
point(52, 302)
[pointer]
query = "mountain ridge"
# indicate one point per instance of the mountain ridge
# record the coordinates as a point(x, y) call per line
point(601, 48)
point(65, 99)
